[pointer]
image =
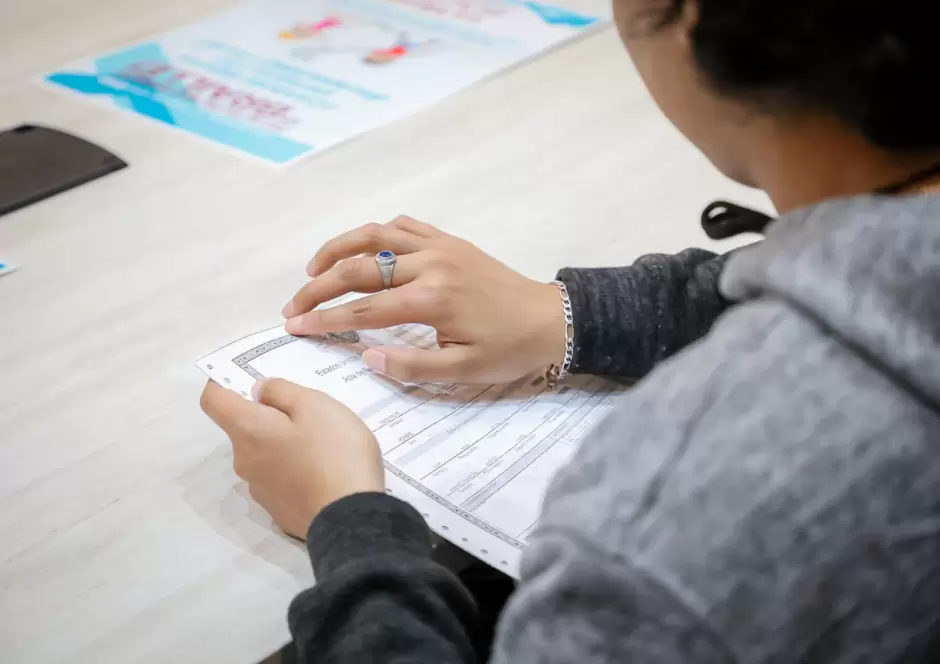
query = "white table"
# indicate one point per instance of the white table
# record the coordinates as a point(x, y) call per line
point(124, 535)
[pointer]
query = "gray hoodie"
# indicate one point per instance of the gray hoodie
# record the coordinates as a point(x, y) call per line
point(771, 493)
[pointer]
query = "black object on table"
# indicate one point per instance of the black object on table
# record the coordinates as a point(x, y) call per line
point(39, 162)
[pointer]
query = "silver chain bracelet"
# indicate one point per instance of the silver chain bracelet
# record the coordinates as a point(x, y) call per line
point(558, 372)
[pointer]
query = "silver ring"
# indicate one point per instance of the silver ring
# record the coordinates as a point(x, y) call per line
point(386, 261)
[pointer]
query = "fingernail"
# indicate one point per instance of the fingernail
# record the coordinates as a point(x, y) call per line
point(294, 325)
point(256, 390)
point(288, 310)
point(375, 360)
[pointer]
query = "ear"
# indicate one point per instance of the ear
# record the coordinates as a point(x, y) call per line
point(685, 24)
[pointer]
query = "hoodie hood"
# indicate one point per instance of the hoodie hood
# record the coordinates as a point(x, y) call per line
point(867, 269)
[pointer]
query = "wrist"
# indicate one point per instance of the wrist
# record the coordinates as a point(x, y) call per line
point(551, 326)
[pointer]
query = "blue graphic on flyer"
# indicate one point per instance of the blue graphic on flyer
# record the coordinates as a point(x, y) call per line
point(143, 80)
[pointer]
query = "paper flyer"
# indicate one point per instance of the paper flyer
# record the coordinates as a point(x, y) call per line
point(281, 79)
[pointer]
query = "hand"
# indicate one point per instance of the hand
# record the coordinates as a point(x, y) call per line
point(299, 450)
point(493, 324)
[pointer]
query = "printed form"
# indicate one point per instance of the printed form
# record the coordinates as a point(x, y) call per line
point(474, 460)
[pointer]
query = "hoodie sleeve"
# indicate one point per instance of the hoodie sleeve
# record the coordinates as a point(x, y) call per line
point(379, 596)
point(628, 319)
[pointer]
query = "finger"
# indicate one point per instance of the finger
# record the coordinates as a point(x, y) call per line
point(415, 227)
point(392, 307)
point(353, 275)
point(371, 238)
point(283, 395)
point(418, 365)
point(232, 413)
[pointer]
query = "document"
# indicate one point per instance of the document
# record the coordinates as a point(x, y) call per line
point(281, 79)
point(474, 460)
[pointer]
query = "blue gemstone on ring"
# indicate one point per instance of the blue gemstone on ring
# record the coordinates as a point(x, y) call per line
point(386, 254)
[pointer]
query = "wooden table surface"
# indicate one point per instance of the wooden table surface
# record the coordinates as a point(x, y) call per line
point(124, 535)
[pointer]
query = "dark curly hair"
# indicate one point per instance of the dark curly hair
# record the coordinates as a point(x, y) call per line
point(875, 64)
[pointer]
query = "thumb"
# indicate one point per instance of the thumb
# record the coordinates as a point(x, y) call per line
point(281, 394)
point(417, 365)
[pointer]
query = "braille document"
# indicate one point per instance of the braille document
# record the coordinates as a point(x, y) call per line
point(474, 460)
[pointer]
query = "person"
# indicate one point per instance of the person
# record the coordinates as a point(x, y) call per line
point(770, 489)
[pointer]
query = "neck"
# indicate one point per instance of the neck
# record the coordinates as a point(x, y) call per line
point(815, 162)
